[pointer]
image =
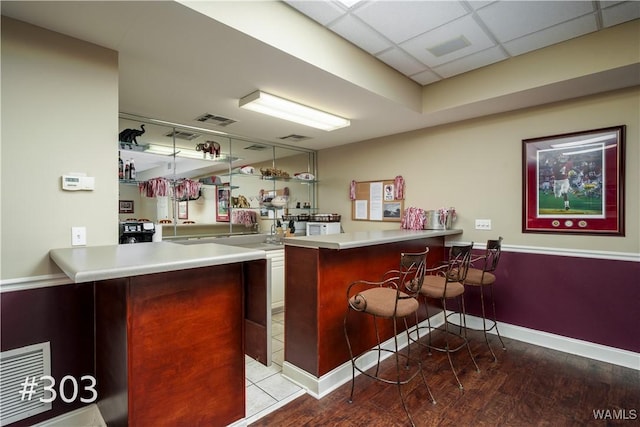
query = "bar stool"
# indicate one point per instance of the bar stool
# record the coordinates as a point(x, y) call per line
point(444, 283)
point(484, 278)
point(392, 298)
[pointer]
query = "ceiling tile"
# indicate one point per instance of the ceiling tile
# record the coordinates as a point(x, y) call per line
point(401, 20)
point(471, 62)
point(465, 27)
point(401, 62)
point(361, 35)
point(426, 77)
point(475, 5)
point(320, 11)
point(508, 20)
point(620, 13)
point(557, 34)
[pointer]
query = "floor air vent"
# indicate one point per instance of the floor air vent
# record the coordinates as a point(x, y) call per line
point(17, 368)
point(215, 120)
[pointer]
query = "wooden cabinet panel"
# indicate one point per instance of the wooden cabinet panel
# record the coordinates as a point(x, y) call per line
point(184, 356)
point(170, 347)
point(315, 291)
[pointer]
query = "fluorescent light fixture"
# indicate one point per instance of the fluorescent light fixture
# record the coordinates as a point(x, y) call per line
point(275, 106)
point(186, 153)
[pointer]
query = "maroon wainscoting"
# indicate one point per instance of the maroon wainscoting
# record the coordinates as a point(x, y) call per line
point(593, 300)
point(62, 315)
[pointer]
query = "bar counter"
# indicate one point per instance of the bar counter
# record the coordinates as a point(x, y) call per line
point(318, 270)
point(92, 263)
point(172, 326)
point(360, 239)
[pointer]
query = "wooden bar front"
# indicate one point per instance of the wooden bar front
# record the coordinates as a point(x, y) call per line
point(170, 346)
point(316, 282)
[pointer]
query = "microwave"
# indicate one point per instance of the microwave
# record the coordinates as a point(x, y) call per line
point(321, 228)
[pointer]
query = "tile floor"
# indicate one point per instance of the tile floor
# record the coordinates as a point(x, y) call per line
point(267, 390)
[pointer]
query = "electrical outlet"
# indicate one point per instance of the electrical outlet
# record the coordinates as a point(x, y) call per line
point(483, 224)
point(78, 236)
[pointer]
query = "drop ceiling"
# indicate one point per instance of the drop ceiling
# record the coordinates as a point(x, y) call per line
point(180, 60)
point(432, 40)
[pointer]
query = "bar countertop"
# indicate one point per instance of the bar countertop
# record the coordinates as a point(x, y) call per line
point(364, 238)
point(91, 263)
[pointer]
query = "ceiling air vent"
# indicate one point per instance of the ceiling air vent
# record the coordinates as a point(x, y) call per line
point(180, 134)
point(294, 138)
point(215, 120)
point(256, 147)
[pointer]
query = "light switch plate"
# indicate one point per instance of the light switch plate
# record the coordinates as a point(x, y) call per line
point(78, 236)
point(483, 224)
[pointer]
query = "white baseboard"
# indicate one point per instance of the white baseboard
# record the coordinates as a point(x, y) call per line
point(89, 416)
point(587, 349)
point(320, 387)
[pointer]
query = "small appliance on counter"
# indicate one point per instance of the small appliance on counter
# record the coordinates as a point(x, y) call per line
point(322, 228)
point(137, 231)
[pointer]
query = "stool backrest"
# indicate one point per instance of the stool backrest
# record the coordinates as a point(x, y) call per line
point(413, 267)
point(492, 255)
point(459, 258)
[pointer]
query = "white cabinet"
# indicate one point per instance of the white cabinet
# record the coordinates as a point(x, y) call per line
point(277, 279)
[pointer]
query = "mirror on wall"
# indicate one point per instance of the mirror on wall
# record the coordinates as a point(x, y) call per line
point(189, 180)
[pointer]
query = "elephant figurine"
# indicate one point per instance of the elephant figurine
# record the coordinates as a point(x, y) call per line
point(129, 136)
point(209, 147)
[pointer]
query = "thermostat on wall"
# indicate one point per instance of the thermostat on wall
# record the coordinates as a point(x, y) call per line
point(74, 182)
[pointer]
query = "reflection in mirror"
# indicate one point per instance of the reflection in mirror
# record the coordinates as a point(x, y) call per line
point(167, 158)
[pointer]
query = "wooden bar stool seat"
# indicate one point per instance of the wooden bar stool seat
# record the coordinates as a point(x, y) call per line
point(485, 278)
point(445, 283)
point(392, 298)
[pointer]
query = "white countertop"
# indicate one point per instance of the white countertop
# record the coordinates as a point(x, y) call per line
point(87, 264)
point(365, 238)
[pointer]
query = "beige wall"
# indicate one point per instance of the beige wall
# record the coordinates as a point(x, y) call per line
point(59, 115)
point(476, 167)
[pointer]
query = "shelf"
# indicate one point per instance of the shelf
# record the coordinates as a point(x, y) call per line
point(271, 178)
point(128, 181)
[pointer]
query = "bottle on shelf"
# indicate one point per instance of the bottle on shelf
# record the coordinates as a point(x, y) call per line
point(126, 169)
point(120, 167)
point(132, 170)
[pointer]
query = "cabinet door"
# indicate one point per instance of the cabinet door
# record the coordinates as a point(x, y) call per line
point(277, 279)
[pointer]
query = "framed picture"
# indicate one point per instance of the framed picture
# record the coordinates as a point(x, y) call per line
point(391, 210)
point(183, 209)
point(125, 206)
point(574, 183)
point(223, 196)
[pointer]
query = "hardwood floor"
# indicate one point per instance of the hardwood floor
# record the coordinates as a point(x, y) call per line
point(528, 386)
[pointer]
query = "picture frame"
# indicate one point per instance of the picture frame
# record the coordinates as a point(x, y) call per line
point(573, 183)
point(183, 209)
point(392, 210)
point(223, 198)
point(125, 206)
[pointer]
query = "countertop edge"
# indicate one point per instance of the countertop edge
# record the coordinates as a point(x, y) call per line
point(88, 264)
point(362, 239)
